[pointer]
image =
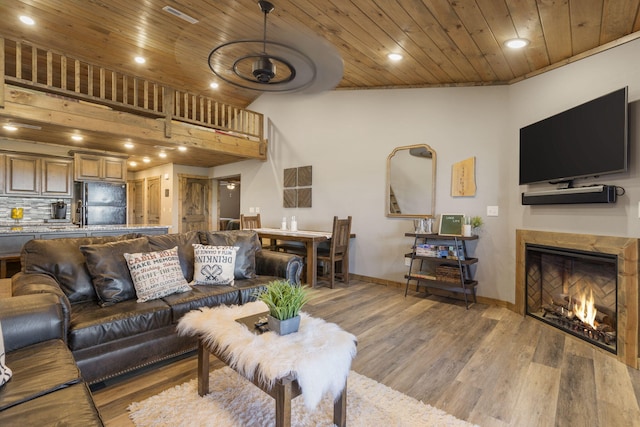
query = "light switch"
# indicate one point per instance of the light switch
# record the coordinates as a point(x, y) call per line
point(257, 209)
point(492, 211)
point(252, 210)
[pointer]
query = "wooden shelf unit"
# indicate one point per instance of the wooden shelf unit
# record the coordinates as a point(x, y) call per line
point(465, 284)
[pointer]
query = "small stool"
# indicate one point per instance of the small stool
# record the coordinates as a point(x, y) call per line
point(7, 259)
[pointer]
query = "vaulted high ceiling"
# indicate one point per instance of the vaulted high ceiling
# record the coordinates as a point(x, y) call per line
point(444, 42)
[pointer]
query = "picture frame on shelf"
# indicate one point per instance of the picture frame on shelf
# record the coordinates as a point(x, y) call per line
point(451, 224)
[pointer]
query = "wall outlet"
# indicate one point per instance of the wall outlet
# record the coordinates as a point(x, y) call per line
point(492, 211)
point(407, 262)
point(257, 209)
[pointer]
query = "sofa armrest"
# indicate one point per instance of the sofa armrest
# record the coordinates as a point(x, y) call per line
point(279, 264)
point(37, 283)
point(30, 319)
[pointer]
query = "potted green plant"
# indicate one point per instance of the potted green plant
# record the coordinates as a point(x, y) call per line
point(476, 223)
point(284, 301)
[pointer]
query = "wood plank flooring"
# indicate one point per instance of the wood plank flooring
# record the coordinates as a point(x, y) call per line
point(486, 365)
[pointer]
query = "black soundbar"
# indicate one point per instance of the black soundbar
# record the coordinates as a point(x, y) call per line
point(594, 194)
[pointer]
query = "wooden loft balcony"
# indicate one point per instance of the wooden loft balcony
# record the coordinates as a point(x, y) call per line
point(51, 96)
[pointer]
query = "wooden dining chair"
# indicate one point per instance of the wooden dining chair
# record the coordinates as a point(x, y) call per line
point(250, 222)
point(338, 253)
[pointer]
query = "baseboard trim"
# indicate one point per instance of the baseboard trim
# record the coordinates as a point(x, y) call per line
point(401, 285)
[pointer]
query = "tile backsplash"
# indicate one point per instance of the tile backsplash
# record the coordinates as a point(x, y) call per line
point(36, 210)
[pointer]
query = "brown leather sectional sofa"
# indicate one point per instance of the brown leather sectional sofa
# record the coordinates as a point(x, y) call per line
point(107, 340)
point(46, 388)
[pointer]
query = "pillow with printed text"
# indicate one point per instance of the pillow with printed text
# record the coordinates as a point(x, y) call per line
point(156, 274)
point(214, 265)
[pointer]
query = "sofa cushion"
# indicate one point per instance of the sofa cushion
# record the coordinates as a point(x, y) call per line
point(92, 325)
point(109, 271)
point(184, 242)
point(5, 371)
point(201, 296)
point(70, 406)
point(214, 265)
point(37, 370)
point(248, 244)
point(63, 260)
point(156, 274)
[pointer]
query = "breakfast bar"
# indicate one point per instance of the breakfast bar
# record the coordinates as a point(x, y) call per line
point(13, 237)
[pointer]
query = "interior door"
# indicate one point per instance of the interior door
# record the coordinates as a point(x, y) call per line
point(136, 201)
point(153, 200)
point(195, 195)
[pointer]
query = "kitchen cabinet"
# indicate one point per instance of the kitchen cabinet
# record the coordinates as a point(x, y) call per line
point(31, 175)
point(22, 174)
point(93, 167)
point(57, 177)
point(2, 169)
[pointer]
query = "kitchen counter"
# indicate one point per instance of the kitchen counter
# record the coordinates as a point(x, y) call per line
point(57, 227)
point(13, 237)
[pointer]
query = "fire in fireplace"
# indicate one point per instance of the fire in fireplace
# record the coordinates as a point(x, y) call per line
point(575, 291)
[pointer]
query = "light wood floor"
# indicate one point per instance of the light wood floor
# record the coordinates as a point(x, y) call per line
point(486, 365)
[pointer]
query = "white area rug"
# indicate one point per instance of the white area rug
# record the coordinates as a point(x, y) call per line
point(234, 401)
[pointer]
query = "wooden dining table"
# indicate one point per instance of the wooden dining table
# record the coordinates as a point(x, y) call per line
point(310, 239)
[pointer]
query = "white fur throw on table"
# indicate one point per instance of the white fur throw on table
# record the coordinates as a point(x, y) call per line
point(319, 354)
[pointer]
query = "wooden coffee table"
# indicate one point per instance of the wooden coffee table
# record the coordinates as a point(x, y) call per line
point(285, 389)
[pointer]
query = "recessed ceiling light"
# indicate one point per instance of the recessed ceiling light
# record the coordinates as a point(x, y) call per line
point(76, 137)
point(27, 20)
point(182, 148)
point(133, 164)
point(140, 60)
point(10, 128)
point(129, 145)
point(516, 43)
point(162, 154)
point(146, 159)
point(394, 56)
point(214, 85)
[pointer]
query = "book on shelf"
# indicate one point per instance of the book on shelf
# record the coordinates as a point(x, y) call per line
point(440, 251)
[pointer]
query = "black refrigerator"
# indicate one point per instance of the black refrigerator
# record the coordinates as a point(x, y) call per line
point(100, 203)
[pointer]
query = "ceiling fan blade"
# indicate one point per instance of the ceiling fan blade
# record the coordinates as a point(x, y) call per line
point(325, 57)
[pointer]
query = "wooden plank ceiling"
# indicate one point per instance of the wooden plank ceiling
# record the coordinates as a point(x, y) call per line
point(444, 42)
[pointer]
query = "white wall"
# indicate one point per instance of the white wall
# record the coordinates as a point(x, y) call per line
point(556, 91)
point(347, 135)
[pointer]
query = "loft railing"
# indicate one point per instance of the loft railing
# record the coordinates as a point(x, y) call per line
point(30, 66)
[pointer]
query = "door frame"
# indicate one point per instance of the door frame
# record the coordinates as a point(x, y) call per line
point(235, 177)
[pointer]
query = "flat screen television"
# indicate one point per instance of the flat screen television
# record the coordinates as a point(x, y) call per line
point(585, 141)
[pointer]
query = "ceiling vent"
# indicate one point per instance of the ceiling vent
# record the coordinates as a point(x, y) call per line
point(180, 15)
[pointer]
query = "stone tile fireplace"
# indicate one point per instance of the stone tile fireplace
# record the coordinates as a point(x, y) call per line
point(585, 285)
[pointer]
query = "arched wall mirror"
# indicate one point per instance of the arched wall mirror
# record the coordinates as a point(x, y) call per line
point(411, 182)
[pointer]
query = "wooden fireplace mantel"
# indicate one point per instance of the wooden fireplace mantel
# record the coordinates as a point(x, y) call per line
point(626, 250)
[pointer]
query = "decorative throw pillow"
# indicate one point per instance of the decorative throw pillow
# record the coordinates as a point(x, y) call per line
point(109, 271)
point(156, 274)
point(247, 242)
point(5, 372)
point(214, 265)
